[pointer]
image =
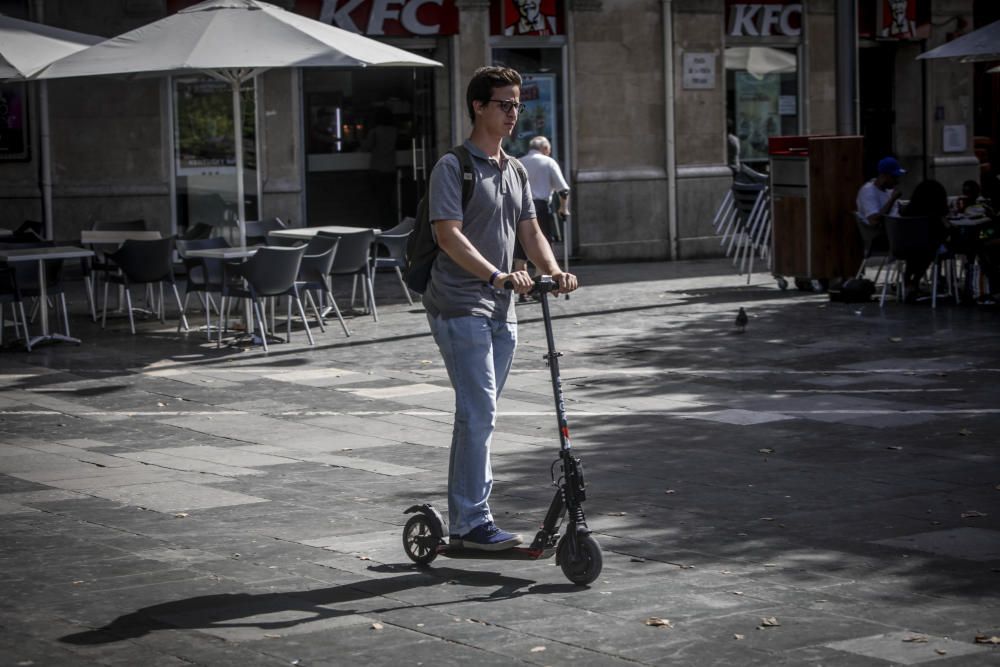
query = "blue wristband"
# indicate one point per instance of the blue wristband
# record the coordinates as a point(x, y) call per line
point(494, 277)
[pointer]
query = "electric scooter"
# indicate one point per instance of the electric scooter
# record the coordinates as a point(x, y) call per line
point(576, 551)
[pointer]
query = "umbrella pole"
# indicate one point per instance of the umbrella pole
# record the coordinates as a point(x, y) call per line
point(45, 158)
point(238, 129)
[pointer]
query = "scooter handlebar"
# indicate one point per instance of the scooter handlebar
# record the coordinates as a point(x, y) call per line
point(543, 285)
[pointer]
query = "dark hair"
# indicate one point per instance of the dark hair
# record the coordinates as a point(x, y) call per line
point(971, 189)
point(484, 81)
point(929, 199)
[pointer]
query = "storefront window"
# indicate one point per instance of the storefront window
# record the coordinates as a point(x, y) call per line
point(369, 143)
point(762, 97)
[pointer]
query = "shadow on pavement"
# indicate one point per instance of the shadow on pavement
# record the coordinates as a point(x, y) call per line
point(228, 611)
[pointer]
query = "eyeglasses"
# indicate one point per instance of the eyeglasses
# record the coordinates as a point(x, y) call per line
point(508, 105)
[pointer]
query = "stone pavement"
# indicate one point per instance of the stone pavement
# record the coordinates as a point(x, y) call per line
point(820, 490)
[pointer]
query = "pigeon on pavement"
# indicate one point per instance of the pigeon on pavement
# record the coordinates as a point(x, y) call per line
point(741, 321)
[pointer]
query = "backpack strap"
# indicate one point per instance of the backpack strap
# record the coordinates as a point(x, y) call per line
point(468, 173)
point(521, 171)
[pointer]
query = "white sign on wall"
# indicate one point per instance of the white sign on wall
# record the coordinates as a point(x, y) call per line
point(953, 139)
point(699, 71)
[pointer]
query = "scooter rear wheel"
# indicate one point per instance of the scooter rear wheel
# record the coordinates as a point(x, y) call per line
point(586, 567)
point(419, 541)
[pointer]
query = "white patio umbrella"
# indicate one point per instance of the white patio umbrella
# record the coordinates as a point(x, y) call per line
point(233, 41)
point(25, 48)
point(978, 45)
point(760, 60)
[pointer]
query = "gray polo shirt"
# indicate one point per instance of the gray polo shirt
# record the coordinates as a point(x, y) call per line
point(490, 220)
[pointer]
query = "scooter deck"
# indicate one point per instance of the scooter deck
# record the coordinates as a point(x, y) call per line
point(514, 553)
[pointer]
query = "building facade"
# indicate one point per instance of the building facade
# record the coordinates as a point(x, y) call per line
point(647, 104)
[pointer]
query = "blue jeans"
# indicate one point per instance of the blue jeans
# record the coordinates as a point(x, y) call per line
point(478, 353)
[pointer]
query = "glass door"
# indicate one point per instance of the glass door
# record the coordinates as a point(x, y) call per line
point(205, 152)
point(369, 144)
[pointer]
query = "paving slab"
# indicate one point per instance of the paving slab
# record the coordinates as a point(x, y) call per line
point(834, 468)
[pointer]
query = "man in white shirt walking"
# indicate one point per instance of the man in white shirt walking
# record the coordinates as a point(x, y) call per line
point(544, 177)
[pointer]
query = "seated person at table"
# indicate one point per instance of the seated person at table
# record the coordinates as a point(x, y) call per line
point(929, 200)
point(877, 198)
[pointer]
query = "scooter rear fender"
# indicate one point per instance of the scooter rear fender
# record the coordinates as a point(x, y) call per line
point(433, 516)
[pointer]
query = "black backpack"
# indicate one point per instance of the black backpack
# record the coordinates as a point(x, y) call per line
point(421, 247)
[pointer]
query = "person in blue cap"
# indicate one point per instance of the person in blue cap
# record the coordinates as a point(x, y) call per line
point(877, 198)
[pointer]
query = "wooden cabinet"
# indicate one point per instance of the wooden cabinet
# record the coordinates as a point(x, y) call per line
point(814, 184)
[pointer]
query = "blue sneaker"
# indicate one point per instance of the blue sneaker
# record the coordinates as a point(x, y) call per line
point(489, 537)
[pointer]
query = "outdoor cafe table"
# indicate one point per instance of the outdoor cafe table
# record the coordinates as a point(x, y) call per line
point(40, 255)
point(116, 236)
point(230, 254)
point(306, 233)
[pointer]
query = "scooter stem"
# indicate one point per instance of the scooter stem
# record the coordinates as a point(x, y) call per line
point(552, 358)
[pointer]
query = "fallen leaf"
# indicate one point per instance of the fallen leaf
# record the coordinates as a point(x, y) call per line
point(738, 637)
point(636, 559)
point(769, 622)
point(181, 515)
point(736, 592)
point(78, 582)
point(987, 639)
point(363, 558)
point(766, 450)
point(895, 339)
point(767, 518)
point(915, 639)
point(940, 651)
point(377, 626)
point(657, 622)
point(964, 431)
point(161, 404)
point(686, 567)
point(537, 649)
point(973, 514)
point(615, 513)
point(671, 491)
point(895, 447)
point(269, 636)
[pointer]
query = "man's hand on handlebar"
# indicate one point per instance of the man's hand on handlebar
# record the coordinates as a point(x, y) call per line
point(518, 281)
point(566, 281)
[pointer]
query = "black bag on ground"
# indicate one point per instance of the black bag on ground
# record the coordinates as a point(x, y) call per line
point(852, 290)
point(422, 247)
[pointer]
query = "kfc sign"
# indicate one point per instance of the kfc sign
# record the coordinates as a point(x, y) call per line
point(396, 18)
point(761, 19)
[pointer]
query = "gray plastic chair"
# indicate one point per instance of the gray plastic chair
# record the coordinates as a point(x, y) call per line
point(271, 272)
point(204, 275)
point(353, 259)
point(314, 275)
point(143, 263)
point(393, 241)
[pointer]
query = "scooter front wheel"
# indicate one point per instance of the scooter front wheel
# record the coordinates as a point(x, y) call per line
point(585, 567)
point(419, 541)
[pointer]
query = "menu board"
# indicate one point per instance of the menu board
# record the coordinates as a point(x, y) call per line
point(757, 112)
point(14, 122)
point(204, 127)
point(538, 94)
